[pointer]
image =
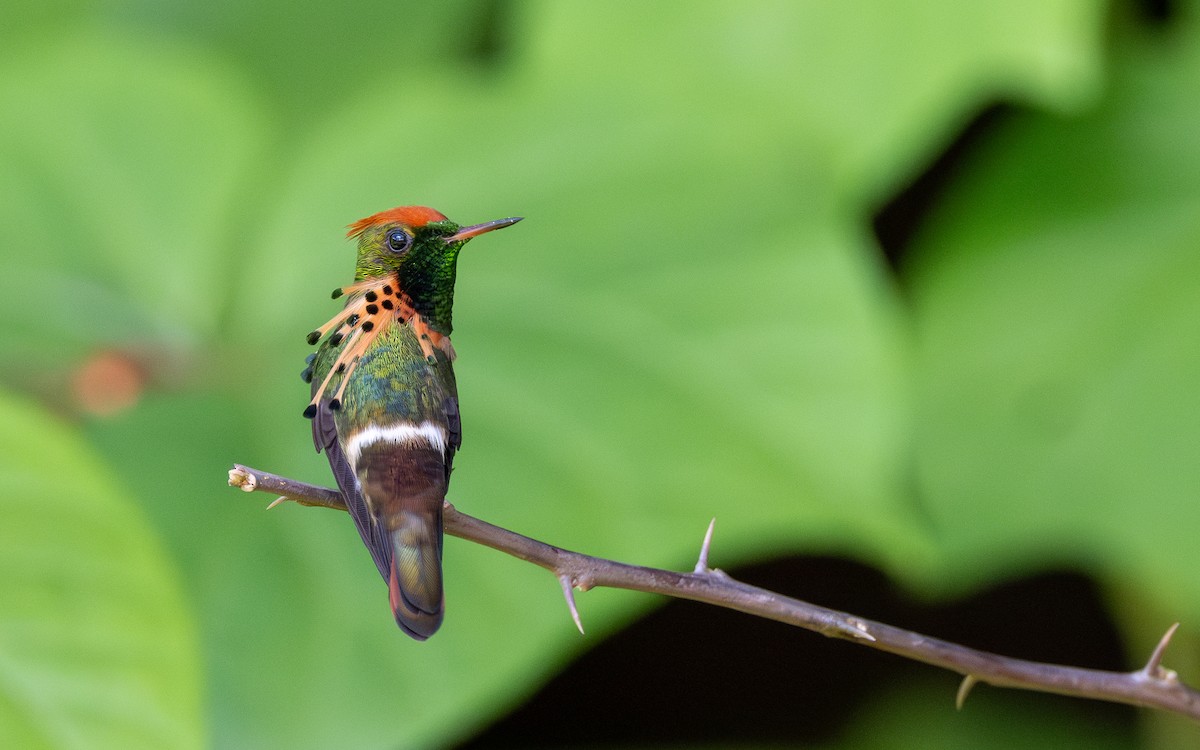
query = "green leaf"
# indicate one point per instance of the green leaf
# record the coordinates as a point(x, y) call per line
point(304, 57)
point(691, 322)
point(873, 88)
point(688, 324)
point(1057, 295)
point(119, 164)
point(97, 648)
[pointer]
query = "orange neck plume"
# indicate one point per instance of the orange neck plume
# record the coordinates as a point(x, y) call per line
point(372, 306)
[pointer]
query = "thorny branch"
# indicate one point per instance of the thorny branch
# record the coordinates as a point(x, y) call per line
point(1153, 685)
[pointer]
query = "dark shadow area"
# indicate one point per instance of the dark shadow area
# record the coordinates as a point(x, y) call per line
point(898, 220)
point(1156, 12)
point(489, 39)
point(690, 674)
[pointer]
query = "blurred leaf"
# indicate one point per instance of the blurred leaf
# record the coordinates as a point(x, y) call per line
point(304, 57)
point(687, 324)
point(691, 322)
point(19, 17)
point(1057, 297)
point(119, 164)
point(96, 646)
point(872, 87)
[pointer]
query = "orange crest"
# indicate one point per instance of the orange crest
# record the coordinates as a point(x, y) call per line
point(410, 216)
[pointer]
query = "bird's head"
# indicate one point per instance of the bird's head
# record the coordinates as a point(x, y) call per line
point(413, 241)
point(419, 247)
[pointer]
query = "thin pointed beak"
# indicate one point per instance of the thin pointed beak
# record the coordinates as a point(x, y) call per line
point(467, 233)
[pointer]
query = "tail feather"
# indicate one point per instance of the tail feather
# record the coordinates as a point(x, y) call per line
point(415, 583)
point(403, 484)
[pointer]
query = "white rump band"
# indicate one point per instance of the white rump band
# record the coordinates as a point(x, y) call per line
point(405, 433)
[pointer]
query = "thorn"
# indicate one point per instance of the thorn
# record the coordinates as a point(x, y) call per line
point(335, 404)
point(336, 293)
point(1153, 668)
point(277, 501)
point(569, 593)
point(702, 562)
point(239, 477)
point(313, 337)
point(858, 629)
point(964, 689)
point(310, 411)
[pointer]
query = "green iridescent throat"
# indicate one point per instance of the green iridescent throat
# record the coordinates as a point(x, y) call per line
point(426, 270)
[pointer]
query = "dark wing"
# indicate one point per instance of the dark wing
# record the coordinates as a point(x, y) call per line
point(454, 430)
point(374, 536)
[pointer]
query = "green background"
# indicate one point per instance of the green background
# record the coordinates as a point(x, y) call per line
point(695, 320)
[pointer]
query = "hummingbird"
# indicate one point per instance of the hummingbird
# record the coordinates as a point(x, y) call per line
point(384, 403)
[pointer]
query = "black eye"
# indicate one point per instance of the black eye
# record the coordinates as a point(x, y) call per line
point(399, 241)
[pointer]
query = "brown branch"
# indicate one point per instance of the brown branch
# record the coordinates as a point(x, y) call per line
point(1153, 685)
